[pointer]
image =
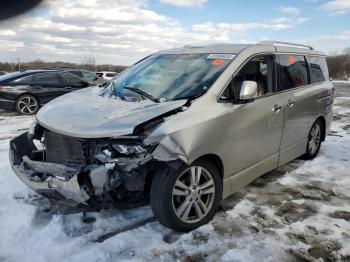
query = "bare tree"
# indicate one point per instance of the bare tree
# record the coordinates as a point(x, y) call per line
point(89, 62)
point(346, 51)
point(339, 65)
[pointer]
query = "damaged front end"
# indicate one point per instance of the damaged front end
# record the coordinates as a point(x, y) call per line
point(81, 172)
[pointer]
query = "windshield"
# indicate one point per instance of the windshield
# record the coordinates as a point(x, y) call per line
point(170, 77)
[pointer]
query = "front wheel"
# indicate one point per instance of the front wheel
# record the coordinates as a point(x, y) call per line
point(187, 198)
point(314, 140)
point(27, 105)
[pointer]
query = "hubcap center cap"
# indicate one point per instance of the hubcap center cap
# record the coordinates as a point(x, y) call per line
point(194, 194)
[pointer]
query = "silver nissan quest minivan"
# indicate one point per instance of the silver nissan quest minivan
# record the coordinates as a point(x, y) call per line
point(181, 129)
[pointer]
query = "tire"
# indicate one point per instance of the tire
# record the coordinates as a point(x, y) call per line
point(314, 140)
point(27, 105)
point(184, 211)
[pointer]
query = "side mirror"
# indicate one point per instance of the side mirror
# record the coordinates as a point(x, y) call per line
point(249, 91)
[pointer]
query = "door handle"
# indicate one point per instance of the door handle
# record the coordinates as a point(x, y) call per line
point(276, 108)
point(290, 103)
point(68, 87)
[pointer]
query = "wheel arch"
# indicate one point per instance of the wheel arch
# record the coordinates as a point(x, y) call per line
point(28, 93)
point(216, 160)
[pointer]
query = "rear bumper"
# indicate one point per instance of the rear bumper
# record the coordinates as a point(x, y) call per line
point(27, 165)
point(7, 104)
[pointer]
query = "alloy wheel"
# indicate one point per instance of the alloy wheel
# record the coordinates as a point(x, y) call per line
point(27, 105)
point(193, 194)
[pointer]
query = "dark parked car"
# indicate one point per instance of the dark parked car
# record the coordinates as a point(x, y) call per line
point(26, 91)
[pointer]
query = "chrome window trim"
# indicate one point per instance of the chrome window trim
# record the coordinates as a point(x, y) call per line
point(300, 87)
point(290, 53)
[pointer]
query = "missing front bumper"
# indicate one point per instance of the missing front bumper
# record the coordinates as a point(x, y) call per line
point(54, 181)
point(76, 185)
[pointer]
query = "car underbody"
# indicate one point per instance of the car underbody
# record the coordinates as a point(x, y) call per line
point(85, 173)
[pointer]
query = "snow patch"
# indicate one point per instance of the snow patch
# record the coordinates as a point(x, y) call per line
point(299, 211)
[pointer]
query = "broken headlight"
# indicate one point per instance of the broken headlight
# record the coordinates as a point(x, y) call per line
point(129, 149)
point(33, 129)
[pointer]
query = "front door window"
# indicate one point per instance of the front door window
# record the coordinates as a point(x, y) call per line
point(259, 70)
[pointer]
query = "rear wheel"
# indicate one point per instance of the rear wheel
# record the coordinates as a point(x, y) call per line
point(27, 105)
point(314, 140)
point(187, 198)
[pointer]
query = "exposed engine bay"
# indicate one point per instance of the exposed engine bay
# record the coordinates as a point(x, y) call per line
point(81, 172)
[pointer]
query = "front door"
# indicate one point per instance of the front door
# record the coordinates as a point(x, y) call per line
point(255, 129)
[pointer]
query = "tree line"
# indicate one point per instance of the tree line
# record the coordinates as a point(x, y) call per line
point(338, 65)
point(88, 63)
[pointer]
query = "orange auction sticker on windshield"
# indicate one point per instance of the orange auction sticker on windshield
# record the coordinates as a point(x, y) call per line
point(291, 59)
point(218, 62)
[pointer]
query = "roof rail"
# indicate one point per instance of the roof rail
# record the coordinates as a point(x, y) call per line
point(286, 44)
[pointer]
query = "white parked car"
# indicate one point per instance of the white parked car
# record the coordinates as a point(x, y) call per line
point(106, 74)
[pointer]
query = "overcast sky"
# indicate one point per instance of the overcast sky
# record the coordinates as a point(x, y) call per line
point(123, 31)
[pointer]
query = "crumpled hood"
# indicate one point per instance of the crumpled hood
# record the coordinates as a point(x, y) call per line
point(86, 114)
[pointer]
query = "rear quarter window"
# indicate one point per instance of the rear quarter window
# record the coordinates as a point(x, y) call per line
point(318, 69)
point(293, 72)
point(89, 76)
point(77, 73)
point(70, 79)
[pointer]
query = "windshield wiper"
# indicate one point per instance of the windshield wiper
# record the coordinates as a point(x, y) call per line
point(142, 93)
point(195, 96)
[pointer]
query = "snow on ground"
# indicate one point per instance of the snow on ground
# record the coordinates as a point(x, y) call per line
point(341, 82)
point(300, 212)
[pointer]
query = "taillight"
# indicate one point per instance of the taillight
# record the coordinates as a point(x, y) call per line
point(1, 88)
point(333, 88)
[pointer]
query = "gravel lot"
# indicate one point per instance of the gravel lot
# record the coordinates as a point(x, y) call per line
point(299, 212)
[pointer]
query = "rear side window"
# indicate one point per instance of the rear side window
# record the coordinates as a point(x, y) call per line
point(89, 76)
point(71, 79)
point(99, 74)
point(47, 79)
point(77, 73)
point(318, 69)
point(293, 72)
